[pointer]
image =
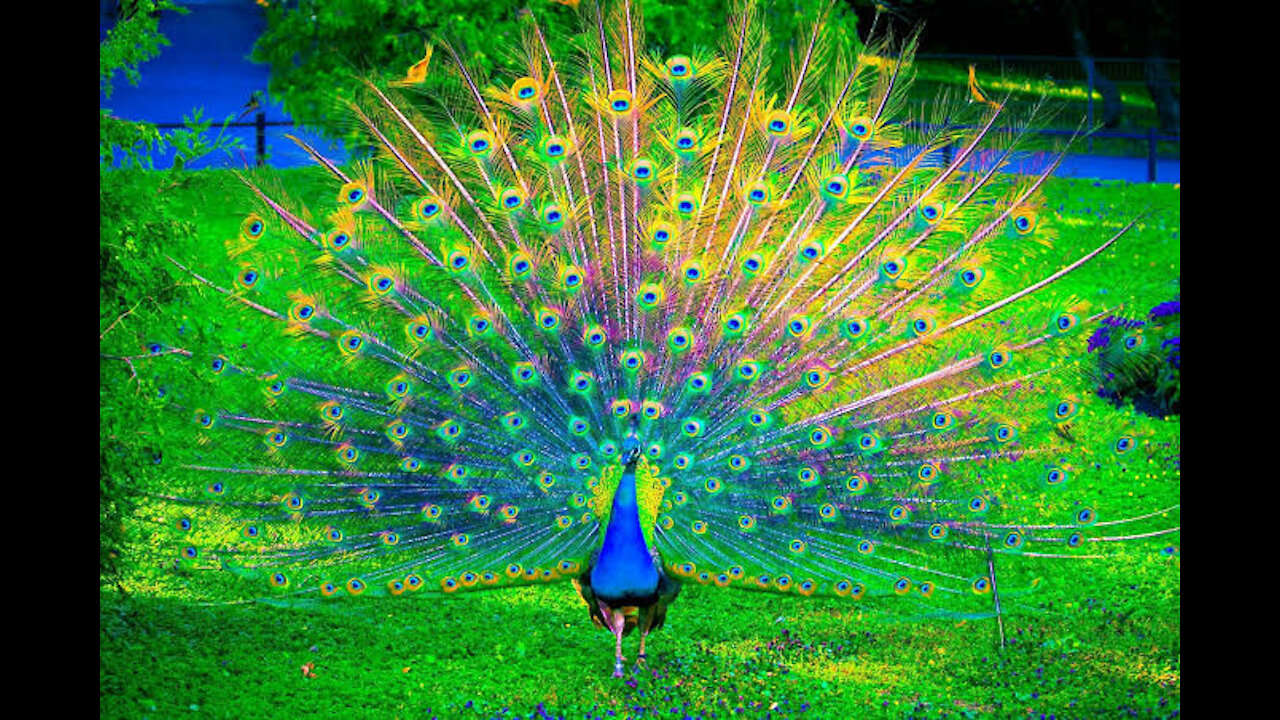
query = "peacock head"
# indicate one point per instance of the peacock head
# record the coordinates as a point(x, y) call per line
point(631, 445)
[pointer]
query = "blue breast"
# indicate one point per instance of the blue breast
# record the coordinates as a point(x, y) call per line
point(624, 568)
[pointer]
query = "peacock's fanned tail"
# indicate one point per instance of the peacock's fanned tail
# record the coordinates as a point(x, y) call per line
point(838, 324)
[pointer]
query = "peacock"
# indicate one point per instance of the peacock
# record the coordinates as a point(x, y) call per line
point(639, 322)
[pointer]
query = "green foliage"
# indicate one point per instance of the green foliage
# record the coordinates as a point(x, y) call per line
point(127, 143)
point(318, 51)
point(135, 291)
point(134, 40)
point(191, 142)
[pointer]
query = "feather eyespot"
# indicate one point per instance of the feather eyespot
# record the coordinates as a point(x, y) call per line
point(747, 370)
point(302, 311)
point(552, 217)
point(523, 373)
point(512, 199)
point(581, 382)
point(999, 358)
point(892, 269)
point(571, 278)
point(479, 142)
point(253, 227)
point(686, 140)
point(970, 277)
point(520, 265)
point(525, 89)
point(799, 326)
point(679, 339)
point(679, 68)
point(620, 102)
point(427, 208)
point(698, 382)
point(931, 212)
point(778, 123)
point(248, 278)
point(350, 342)
point(860, 128)
point(1024, 222)
point(692, 272)
point(354, 194)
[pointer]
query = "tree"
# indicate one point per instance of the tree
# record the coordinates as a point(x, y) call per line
point(318, 51)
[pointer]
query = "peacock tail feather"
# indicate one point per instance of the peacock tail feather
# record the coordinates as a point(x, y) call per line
point(837, 326)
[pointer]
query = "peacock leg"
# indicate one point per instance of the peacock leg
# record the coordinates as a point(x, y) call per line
point(650, 613)
point(617, 622)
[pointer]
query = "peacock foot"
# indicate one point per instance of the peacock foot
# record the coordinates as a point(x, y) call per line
point(617, 667)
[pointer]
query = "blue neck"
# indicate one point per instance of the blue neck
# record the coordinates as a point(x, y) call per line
point(624, 566)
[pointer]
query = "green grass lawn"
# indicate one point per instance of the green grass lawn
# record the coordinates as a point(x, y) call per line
point(1084, 638)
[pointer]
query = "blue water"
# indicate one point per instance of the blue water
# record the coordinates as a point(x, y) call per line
point(207, 66)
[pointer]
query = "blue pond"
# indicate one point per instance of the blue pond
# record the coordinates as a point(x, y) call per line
point(207, 66)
